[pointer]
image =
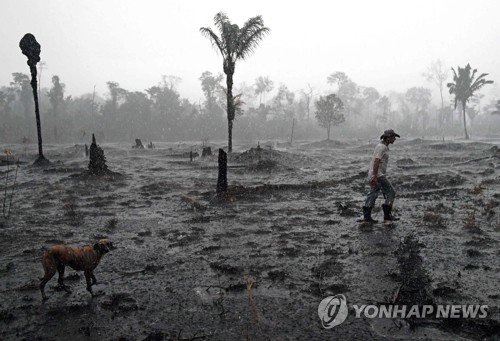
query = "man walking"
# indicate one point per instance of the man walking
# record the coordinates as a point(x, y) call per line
point(377, 175)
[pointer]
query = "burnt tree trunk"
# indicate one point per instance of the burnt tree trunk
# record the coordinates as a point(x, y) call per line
point(207, 151)
point(41, 157)
point(222, 178)
point(97, 163)
point(31, 49)
point(229, 68)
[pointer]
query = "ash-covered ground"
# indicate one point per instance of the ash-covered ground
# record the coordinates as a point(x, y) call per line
point(256, 265)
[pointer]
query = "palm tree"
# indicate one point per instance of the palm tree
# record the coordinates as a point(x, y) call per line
point(464, 86)
point(234, 43)
point(31, 49)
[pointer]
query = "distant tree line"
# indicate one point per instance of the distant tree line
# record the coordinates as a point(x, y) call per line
point(263, 111)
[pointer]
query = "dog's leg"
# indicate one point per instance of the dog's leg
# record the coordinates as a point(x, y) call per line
point(49, 267)
point(94, 280)
point(60, 280)
point(88, 277)
point(45, 279)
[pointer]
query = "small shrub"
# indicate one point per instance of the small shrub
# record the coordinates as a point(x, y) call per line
point(7, 199)
point(433, 219)
point(70, 208)
point(111, 224)
point(477, 189)
point(470, 222)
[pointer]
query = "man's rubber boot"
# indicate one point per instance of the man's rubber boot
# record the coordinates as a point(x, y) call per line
point(388, 217)
point(367, 216)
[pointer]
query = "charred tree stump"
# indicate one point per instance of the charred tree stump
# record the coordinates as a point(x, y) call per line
point(31, 49)
point(207, 151)
point(191, 156)
point(97, 163)
point(222, 178)
point(138, 144)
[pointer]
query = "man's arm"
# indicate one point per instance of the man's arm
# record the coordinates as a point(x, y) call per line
point(373, 180)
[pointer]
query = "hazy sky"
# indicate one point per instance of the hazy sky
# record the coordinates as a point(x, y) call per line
point(384, 44)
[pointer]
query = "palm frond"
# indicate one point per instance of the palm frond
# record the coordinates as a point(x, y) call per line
point(250, 26)
point(452, 87)
point(237, 102)
point(248, 45)
point(250, 35)
point(214, 39)
point(473, 74)
point(455, 76)
point(478, 85)
point(221, 19)
point(480, 79)
point(230, 36)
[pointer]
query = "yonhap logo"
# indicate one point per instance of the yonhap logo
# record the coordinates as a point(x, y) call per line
point(332, 311)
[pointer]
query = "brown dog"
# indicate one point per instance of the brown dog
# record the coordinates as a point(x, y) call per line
point(81, 258)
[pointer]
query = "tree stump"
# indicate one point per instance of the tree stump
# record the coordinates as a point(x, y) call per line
point(207, 151)
point(138, 144)
point(222, 178)
point(97, 163)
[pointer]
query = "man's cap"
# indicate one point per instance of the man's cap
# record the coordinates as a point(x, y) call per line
point(389, 133)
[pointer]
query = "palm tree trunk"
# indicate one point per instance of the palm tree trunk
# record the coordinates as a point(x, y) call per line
point(229, 136)
point(41, 159)
point(230, 106)
point(465, 122)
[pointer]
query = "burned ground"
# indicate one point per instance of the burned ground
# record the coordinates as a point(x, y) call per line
point(257, 264)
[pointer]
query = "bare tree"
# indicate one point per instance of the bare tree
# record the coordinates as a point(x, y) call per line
point(384, 106)
point(437, 73)
point(308, 97)
point(42, 65)
point(170, 81)
point(420, 98)
point(347, 90)
point(263, 85)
